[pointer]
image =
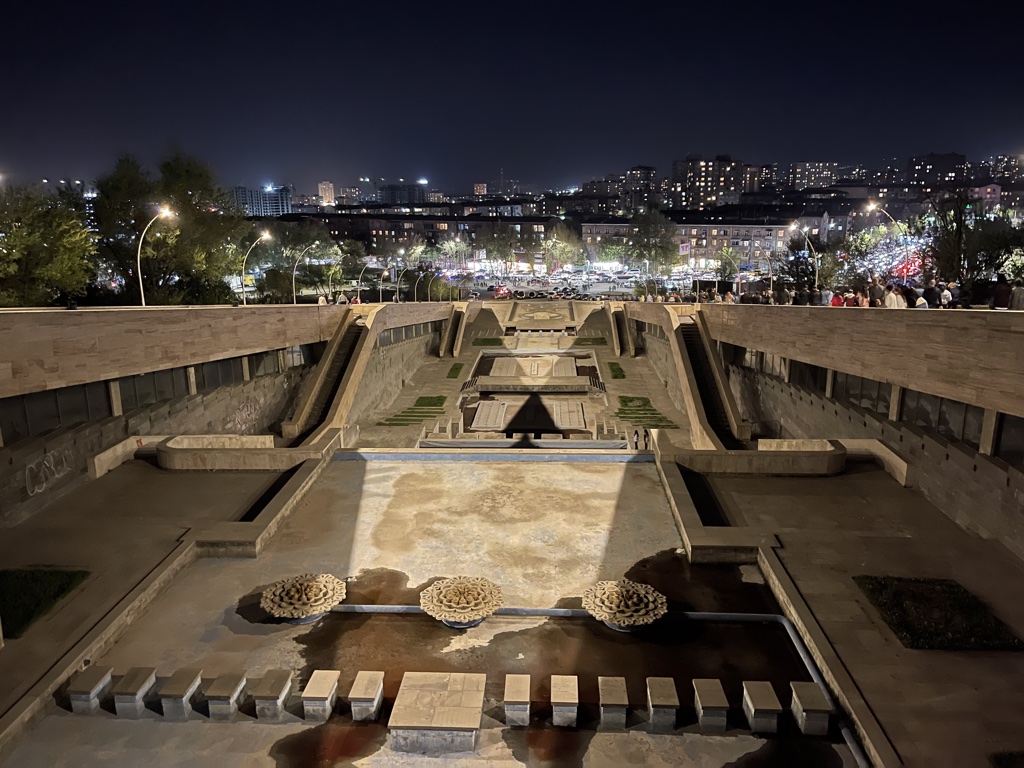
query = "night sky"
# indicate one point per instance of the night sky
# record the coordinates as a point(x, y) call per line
point(555, 93)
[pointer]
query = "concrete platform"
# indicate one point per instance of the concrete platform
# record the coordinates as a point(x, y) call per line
point(437, 712)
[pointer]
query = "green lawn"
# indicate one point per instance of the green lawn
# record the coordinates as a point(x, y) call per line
point(487, 342)
point(639, 411)
point(455, 371)
point(616, 371)
point(937, 614)
point(426, 408)
point(589, 341)
point(27, 594)
point(430, 402)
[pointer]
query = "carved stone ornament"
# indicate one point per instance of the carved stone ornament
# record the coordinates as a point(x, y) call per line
point(624, 603)
point(300, 597)
point(461, 599)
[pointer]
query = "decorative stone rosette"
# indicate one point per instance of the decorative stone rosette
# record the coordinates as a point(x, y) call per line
point(624, 603)
point(300, 597)
point(461, 599)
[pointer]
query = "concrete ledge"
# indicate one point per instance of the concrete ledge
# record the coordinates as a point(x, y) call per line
point(220, 441)
point(870, 732)
point(117, 455)
point(778, 462)
point(895, 465)
point(32, 707)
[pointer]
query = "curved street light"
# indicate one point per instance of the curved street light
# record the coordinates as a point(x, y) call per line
point(429, 284)
point(296, 266)
point(359, 284)
point(416, 287)
point(398, 285)
point(380, 288)
point(872, 206)
point(257, 241)
point(163, 213)
point(794, 228)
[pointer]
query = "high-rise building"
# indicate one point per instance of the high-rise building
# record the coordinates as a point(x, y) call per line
point(348, 195)
point(640, 188)
point(947, 168)
point(402, 194)
point(266, 201)
point(326, 191)
point(480, 189)
point(700, 183)
point(804, 174)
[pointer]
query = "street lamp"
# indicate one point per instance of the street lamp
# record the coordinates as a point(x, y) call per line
point(163, 213)
point(794, 228)
point(380, 288)
point(430, 283)
point(359, 284)
point(872, 206)
point(416, 287)
point(262, 237)
point(398, 285)
point(296, 266)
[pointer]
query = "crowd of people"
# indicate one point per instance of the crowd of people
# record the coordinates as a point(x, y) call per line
point(934, 295)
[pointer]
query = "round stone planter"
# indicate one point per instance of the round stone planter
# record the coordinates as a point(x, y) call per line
point(461, 624)
point(306, 619)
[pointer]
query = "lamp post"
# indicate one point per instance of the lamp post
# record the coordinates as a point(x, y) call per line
point(398, 285)
point(416, 287)
point(257, 241)
point(359, 283)
point(296, 266)
point(380, 288)
point(163, 213)
point(429, 284)
point(906, 235)
point(794, 228)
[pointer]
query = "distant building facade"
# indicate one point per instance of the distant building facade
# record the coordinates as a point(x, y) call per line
point(265, 201)
point(326, 191)
point(936, 169)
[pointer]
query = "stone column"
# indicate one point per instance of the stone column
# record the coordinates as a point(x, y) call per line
point(989, 430)
point(114, 390)
point(246, 376)
point(282, 361)
point(894, 402)
point(190, 374)
point(830, 381)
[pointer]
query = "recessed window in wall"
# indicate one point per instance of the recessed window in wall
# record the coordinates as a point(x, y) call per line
point(950, 418)
point(1010, 440)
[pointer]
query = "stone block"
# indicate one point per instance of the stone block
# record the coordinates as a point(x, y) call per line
point(761, 706)
point(222, 697)
point(319, 695)
point(131, 690)
point(437, 712)
point(962, 455)
point(177, 691)
point(565, 700)
point(662, 704)
point(271, 693)
point(811, 708)
point(366, 695)
point(992, 470)
point(137, 421)
point(711, 705)
point(517, 700)
point(87, 688)
point(613, 702)
point(432, 741)
point(934, 446)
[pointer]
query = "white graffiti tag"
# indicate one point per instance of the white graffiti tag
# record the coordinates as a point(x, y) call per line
point(245, 417)
point(42, 473)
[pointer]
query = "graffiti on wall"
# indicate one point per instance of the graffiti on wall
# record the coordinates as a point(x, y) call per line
point(245, 419)
point(43, 473)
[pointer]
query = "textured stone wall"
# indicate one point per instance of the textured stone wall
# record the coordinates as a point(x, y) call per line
point(34, 472)
point(48, 349)
point(386, 373)
point(981, 493)
point(974, 356)
point(660, 353)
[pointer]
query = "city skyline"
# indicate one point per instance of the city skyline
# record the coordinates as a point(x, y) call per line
point(555, 99)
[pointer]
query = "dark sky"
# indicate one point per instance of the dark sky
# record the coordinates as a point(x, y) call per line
point(555, 92)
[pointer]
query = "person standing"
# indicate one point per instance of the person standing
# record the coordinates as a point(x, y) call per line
point(932, 295)
point(876, 292)
point(889, 300)
point(945, 297)
point(1001, 293)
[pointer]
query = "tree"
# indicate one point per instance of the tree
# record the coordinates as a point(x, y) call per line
point(185, 259)
point(608, 251)
point(454, 250)
point(728, 263)
point(818, 259)
point(501, 241)
point(45, 249)
point(653, 239)
point(964, 246)
point(563, 245)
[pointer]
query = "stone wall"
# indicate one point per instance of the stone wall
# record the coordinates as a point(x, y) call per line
point(981, 493)
point(659, 351)
point(49, 349)
point(37, 471)
point(386, 373)
point(974, 356)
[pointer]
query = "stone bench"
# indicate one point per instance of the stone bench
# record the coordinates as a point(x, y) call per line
point(437, 712)
point(565, 700)
point(87, 688)
point(131, 690)
point(811, 708)
point(711, 704)
point(662, 704)
point(177, 691)
point(761, 706)
point(613, 701)
point(271, 693)
point(517, 700)
point(366, 695)
point(319, 695)
point(222, 696)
